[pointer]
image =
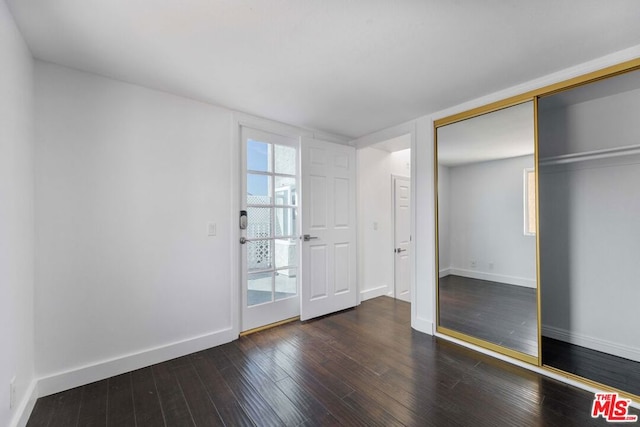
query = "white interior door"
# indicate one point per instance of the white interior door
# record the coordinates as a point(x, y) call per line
point(271, 249)
point(402, 237)
point(329, 224)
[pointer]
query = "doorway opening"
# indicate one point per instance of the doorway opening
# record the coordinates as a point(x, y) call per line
point(384, 219)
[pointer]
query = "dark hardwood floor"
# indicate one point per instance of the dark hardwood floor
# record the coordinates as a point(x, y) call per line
point(364, 366)
point(618, 372)
point(496, 312)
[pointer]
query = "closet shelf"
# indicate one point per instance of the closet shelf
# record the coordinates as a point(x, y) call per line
point(590, 155)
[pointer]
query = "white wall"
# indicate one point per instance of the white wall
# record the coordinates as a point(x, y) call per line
point(424, 312)
point(126, 180)
point(589, 218)
point(16, 220)
point(486, 222)
point(375, 218)
point(401, 162)
point(444, 220)
point(375, 230)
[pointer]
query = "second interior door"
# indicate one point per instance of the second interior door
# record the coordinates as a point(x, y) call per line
point(402, 238)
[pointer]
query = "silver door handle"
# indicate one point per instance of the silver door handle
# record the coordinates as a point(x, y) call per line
point(308, 237)
point(243, 240)
point(400, 250)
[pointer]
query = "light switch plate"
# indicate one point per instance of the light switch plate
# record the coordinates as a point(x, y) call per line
point(211, 229)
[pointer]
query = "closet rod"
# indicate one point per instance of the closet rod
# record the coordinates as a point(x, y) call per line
point(590, 155)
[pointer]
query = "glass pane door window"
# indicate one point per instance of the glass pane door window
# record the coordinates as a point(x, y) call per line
point(272, 211)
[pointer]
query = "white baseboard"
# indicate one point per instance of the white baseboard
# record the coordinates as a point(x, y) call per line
point(445, 272)
point(621, 350)
point(95, 372)
point(24, 409)
point(422, 325)
point(374, 293)
point(500, 278)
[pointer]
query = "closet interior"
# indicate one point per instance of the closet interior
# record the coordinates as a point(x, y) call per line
point(589, 214)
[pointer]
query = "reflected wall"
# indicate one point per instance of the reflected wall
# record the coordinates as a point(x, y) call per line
point(486, 254)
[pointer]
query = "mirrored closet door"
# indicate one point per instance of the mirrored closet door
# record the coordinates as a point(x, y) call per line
point(589, 189)
point(487, 284)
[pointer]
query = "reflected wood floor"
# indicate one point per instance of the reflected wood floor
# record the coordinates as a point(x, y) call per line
point(496, 312)
point(363, 366)
point(618, 372)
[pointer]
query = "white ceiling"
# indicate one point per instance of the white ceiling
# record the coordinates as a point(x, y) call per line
point(347, 67)
point(498, 135)
point(392, 145)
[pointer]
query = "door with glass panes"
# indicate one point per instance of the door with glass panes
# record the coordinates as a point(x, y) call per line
point(270, 252)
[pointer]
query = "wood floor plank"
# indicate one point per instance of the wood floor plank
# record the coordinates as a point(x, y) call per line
point(269, 391)
point(377, 414)
point(145, 399)
point(492, 405)
point(398, 402)
point(380, 358)
point(326, 420)
point(272, 370)
point(308, 405)
point(318, 385)
point(67, 408)
point(260, 411)
point(292, 355)
point(93, 405)
point(120, 411)
point(174, 406)
point(339, 409)
point(219, 391)
point(203, 411)
point(43, 411)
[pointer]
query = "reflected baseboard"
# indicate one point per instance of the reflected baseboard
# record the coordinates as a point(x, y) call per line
point(492, 277)
point(598, 344)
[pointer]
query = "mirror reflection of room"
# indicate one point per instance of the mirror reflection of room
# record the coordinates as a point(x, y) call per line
point(486, 228)
point(589, 145)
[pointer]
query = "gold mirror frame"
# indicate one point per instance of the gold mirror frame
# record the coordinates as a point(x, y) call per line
point(534, 360)
point(532, 95)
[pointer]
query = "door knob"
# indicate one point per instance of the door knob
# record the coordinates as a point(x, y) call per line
point(400, 250)
point(308, 237)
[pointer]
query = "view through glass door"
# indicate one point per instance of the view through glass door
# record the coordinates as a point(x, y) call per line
point(270, 253)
